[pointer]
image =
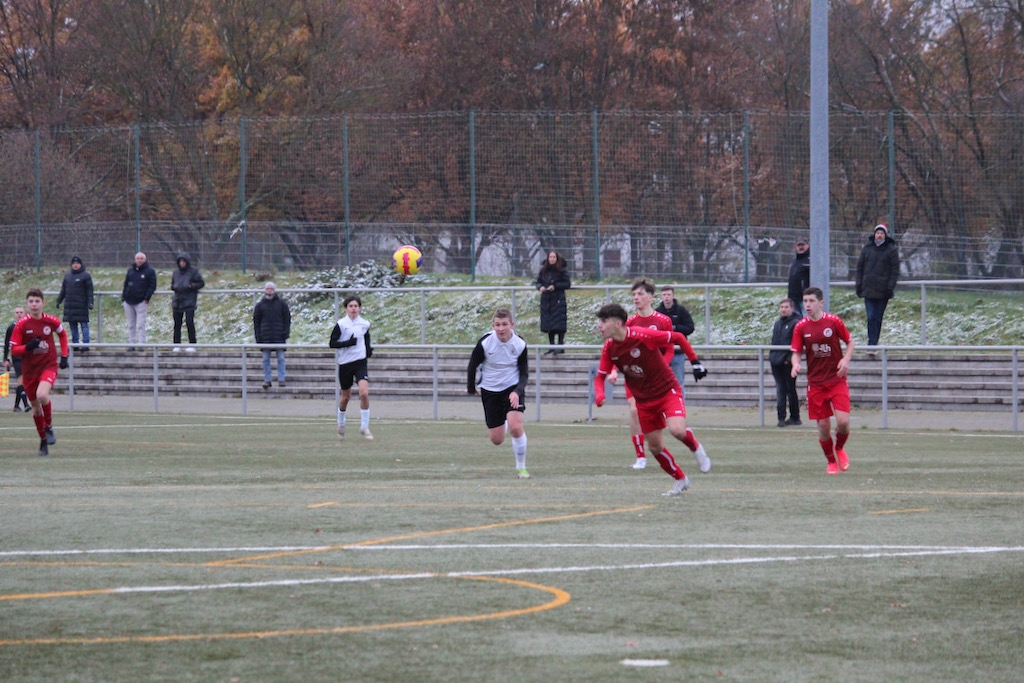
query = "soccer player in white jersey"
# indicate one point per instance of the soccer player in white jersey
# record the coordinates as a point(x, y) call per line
point(501, 357)
point(351, 339)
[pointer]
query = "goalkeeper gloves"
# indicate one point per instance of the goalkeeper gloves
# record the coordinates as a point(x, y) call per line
point(33, 345)
point(63, 362)
point(699, 371)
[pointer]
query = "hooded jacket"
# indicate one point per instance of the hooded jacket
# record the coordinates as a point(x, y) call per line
point(878, 268)
point(139, 284)
point(185, 283)
point(76, 294)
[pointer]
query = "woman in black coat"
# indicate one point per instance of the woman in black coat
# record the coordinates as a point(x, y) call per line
point(552, 282)
point(76, 294)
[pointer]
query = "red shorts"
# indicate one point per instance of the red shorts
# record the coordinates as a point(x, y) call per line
point(31, 381)
point(653, 414)
point(822, 402)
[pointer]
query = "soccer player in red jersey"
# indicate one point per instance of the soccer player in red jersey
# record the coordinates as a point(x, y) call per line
point(637, 353)
point(32, 340)
point(828, 394)
point(646, 317)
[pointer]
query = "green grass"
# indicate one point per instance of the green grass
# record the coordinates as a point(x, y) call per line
point(349, 560)
point(738, 315)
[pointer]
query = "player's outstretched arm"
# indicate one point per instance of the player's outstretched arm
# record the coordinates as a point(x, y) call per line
point(682, 342)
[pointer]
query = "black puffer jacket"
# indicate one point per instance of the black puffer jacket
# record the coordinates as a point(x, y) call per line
point(272, 321)
point(185, 283)
point(553, 310)
point(878, 269)
point(76, 294)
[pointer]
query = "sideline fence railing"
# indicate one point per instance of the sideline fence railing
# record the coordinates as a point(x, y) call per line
point(1012, 399)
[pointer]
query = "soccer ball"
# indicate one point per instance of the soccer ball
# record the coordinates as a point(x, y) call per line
point(407, 260)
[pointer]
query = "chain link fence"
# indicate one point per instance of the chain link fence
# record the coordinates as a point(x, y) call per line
point(686, 197)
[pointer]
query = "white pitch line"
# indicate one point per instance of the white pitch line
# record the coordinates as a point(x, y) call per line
point(268, 584)
point(153, 551)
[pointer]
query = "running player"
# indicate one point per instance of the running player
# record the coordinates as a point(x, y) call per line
point(637, 353)
point(828, 393)
point(351, 338)
point(32, 340)
point(501, 356)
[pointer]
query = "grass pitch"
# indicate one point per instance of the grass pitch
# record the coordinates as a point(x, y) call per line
point(210, 548)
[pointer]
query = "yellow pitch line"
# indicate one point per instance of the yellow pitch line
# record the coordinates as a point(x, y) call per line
point(426, 534)
point(561, 597)
point(899, 512)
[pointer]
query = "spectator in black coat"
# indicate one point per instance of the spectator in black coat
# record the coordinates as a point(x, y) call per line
point(552, 282)
point(782, 364)
point(76, 295)
point(12, 364)
point(878, 269)
point(800, 274)
point(272, 324)
point(139, 287)
point(682, 322)
point(185, 283)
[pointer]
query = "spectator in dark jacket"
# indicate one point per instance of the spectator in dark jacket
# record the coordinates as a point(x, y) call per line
point(878, 269)
point(12, 364)
point(552, 282)
point(76, 295)
point(782, 364)
point(138, 289)
point(682, 322)
point(800, 274)
point(185, 283)
point(272, 324)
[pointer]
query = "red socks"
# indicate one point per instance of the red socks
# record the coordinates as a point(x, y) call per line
point(668, 463)
point(690, 441)
point(40, 421)
point(48, 414)
point(841, 440)
point(826, 446)
point(638, 445)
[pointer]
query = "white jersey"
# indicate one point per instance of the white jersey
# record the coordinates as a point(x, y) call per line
point(500, 368)
point(350, 328)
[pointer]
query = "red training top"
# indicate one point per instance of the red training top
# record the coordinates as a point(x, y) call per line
point(45, 355)
point(820, 338)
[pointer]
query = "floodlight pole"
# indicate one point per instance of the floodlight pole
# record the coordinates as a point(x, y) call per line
point(819, 199)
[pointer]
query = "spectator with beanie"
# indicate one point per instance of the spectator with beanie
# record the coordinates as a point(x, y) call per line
point(272, 324)
point(76, 295)
point(878, 269)
point(138, 289)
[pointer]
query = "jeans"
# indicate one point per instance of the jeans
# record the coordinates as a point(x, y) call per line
point(190, 323)
point(74, 332)
point(785, 391)
point(875, 309)
point(135, 314)
point(678, 366)
point(280, 364)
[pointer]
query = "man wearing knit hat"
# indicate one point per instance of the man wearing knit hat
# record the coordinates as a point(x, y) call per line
point(878, 269)
point(76, 293)
point(272, 324)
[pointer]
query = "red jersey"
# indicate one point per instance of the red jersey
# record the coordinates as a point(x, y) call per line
point(820, 338)
point(640, 360)
point(42, 328)
point(655, 321)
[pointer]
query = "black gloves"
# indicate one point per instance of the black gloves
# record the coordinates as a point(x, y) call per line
point(63, 362)
point(32, 345)
point(699, 371)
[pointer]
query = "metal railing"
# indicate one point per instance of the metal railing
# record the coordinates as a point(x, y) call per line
point(1012, 353)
